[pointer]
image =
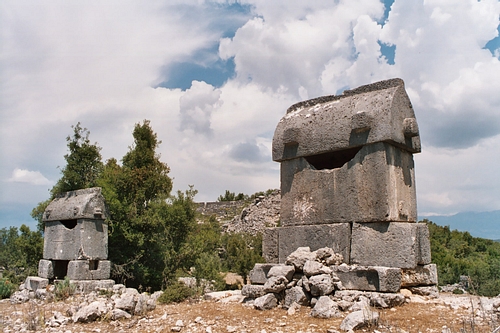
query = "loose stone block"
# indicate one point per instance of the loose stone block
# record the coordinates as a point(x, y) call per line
point(34, 283)
point(382, 279)
point(390, 244)
point(377, 184)
point(282, 270)
point(422, 275)
point(258, 275)
point(87, 286)
point(45, 269)
point(336, 236)
point(89, 269)
point(253, 291)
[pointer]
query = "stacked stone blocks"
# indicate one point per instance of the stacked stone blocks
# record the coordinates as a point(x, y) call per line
point(348, 183)
point(76, 239)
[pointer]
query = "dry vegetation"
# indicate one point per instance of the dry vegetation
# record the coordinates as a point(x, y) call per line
point(197, 316)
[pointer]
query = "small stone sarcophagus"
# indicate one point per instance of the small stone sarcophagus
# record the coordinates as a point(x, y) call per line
point(348, 180)
point(76, 237)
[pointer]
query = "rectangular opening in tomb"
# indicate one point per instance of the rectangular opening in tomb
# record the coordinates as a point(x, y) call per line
point(332, 160)
point(70, 224)
point(60, 268)
point(93, 265)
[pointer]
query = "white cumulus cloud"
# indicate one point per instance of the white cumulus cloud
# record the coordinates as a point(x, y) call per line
point(27, 176)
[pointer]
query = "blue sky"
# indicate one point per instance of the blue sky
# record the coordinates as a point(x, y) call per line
point(215, 77)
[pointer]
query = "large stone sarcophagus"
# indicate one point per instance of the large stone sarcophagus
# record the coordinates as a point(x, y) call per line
point(348, 180)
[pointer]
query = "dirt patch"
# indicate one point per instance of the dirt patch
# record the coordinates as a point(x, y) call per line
point(210, 316)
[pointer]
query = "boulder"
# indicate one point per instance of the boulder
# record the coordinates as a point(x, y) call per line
point(282, 270)
point(275, 284)
point(253, 291)
point(117, 314)
point(295, 295)
point(266, 302)
point(315, 268)
point(90, 312)
point(321, 285)
point(325, 307)
point(299, 257)
point(359, 319)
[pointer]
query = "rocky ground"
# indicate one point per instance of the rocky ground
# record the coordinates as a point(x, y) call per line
point(226, 312)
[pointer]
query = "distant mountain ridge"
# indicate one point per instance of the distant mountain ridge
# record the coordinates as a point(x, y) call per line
point(478, 224)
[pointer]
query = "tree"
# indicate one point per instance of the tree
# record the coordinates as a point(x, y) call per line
point(20, 251)
point(231, 196)
point(83, 169)
point(83, 163)
point(148, 226)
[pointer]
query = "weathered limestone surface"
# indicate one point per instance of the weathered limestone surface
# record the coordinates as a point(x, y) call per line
point(270, 245)
point(382, 108)
point(422, 275)
point(87, 286)
point(85, 239)
point(45, 269)
point(258, 275)
point(382, 279)
point(81, 204)
point(335, 236)
point(83, 270)
point(377, 184)
point(391, 244)
point(34, 283)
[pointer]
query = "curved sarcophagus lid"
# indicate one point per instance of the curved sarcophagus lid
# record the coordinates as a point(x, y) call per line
point(377, 112)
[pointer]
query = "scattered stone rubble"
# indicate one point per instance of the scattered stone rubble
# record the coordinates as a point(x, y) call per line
point(113, 303)
point(312, 279)
point(262, 213)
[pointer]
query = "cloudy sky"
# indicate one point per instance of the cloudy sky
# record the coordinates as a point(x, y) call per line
point(215, 77)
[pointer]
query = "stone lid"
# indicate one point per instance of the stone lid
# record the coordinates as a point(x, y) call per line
point(87, 203)
point(376, 112)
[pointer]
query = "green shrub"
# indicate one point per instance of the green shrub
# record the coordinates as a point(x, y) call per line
point(207, 267)
point(458, 291)
point(175, 293)
point(6, 288)
point(64, 289)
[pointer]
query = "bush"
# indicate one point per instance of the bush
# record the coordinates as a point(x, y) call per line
point(64, 289)
point(175, 293)
point(6, 288)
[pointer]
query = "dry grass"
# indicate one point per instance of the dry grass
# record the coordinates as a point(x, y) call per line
point(413, 317)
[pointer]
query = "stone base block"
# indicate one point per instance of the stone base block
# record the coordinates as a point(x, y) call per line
point(390, 244)
point(89, 269)
point(87, 286)
point(382, 279)
point(422, 275)
point(45, 269)
point(336, 236)
point(258, 275)
point(34, 283)
point(270, 245)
